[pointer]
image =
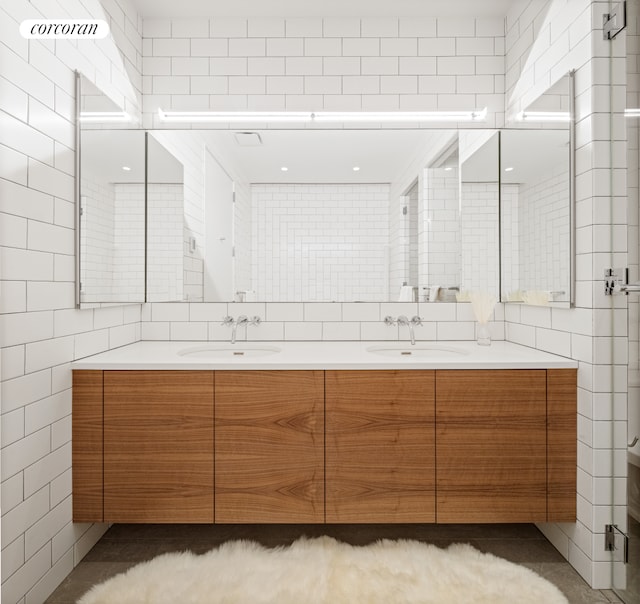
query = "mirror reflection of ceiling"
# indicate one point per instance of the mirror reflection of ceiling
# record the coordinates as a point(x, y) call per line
point(531, 153)
point(162, 166)
point(312, 8)
point(318, 156)
point(106, 154)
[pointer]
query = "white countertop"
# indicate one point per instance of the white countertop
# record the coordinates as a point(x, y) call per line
point(323, 355)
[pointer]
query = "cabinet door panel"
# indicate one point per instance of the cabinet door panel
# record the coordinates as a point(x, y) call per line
point(87, 446)
point(562, 440)
point(269, 446)
point(380, 446)
point(491, 446)
point(158, 446)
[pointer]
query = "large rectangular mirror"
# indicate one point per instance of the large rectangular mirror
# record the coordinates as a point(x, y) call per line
point(331, 215)
point(324, 215)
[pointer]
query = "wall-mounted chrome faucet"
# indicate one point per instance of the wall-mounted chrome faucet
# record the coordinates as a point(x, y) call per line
point(242, 320)
point(403, 320)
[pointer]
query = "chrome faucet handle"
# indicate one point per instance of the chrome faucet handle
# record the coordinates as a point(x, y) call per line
point(389, 320)
point(255, 320)
point(242, 319)
point(416, 320)
point(402, 320)
point(228, 320)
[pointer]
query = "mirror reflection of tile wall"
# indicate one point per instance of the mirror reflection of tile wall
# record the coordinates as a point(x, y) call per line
point(321, 242)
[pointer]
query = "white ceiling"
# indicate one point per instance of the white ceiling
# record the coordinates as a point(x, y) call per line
point(105, 152)
point(323, 8)
point(320, 156)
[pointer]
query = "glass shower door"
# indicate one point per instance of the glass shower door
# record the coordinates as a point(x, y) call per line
point(627, 583)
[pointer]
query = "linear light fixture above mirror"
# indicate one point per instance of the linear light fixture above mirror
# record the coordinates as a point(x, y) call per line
point(104, 116)
point(323, 116)
point(632, 112)
point(544, 116)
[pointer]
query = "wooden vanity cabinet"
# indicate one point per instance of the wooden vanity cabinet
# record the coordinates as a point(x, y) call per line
point(491, 446)
point(446, 446)
point(158, 446)
point(269, 462)
point(380, 446)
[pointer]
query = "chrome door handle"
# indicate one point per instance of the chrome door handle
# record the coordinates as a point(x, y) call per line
point(633, 443)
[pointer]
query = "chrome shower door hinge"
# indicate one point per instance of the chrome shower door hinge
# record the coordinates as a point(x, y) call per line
point(616, 541)
point(615, 21)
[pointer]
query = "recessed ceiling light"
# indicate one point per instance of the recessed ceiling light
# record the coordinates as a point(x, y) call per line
point(448, 169)
point(356, 168)
point(284, 168)
point(509, 169)
point(126, 168)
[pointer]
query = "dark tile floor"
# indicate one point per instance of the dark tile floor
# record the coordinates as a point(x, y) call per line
point(125, 545)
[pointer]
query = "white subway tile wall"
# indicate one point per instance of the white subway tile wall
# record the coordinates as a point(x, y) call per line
point(311, 321)
point(347, 64)
point(305, 64)
point(40, 331)
point(542, 44)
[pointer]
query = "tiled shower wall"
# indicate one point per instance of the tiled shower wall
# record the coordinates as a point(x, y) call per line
point(40, 331)
point(320, 242)
point(544, 42)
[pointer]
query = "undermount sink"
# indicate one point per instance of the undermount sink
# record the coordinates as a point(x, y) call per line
point(419, 350)
point(227, 351)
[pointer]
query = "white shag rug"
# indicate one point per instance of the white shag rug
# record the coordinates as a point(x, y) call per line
point(326, 571)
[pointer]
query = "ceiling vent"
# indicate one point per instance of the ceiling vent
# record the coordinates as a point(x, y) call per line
point(248, 139)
